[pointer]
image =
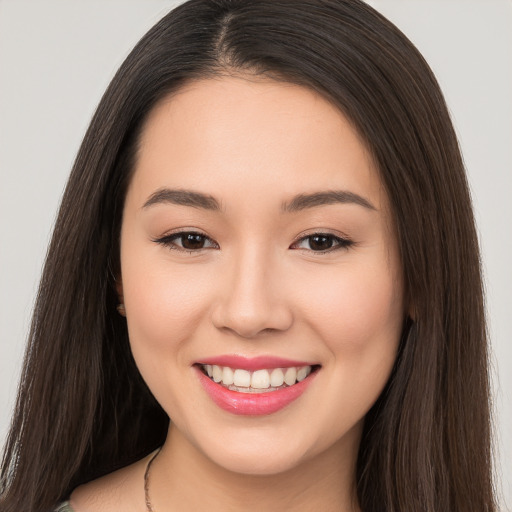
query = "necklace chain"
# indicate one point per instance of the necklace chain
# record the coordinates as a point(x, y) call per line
point(149, 506)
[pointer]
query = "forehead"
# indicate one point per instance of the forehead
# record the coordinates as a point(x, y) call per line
point(232, 134)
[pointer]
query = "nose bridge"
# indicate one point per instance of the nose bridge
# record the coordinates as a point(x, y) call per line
point(253, 299)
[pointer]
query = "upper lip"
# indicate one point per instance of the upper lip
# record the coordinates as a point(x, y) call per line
point(253, 363)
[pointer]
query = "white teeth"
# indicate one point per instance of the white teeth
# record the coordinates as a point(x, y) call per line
point(276, 378)
point(302, 373)
point(242, 378)
point(227, 376)
point(290, 376)
point(217, 373)
point(260, 379)
point(251, 390)
point(245, 381)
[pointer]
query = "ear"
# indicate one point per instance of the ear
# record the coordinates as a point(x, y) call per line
point(409, 305)
point(120, 295)
point(119, 289)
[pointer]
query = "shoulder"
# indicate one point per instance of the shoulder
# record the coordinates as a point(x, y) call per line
point(122, 491)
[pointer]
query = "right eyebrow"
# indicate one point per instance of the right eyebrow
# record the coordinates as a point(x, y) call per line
point(304, 201)
point(183, 198)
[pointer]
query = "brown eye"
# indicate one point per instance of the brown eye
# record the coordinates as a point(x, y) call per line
point(188, 241)
point(322, 243)
point(192, 241)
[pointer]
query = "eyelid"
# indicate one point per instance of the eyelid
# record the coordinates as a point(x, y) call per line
point(343, 241)
point(168, 238)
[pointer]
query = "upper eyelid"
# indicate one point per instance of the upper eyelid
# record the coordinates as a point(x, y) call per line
point(343, 242)
point(177, 234)
point(181, 231)
point(340, 237)
point(301, 236)
point(168, 242)
point(335, 234)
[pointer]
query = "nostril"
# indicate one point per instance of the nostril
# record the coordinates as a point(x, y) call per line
point(251, 324)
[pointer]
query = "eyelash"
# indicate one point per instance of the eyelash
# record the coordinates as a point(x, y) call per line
point(341, 242)
point(168, 241)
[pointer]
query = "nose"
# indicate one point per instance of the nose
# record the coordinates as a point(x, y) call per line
point(252, 297)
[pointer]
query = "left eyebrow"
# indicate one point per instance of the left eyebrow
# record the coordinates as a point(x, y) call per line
point(303, 201)
point(183, 198)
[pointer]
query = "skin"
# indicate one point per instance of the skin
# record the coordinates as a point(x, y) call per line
point(256, 288)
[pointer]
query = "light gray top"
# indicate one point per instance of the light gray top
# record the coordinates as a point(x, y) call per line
point(64, 507)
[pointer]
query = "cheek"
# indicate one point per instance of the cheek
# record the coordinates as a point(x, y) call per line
point(164, 302)
point(359, 319)
point(359, 313)
point(165, 306)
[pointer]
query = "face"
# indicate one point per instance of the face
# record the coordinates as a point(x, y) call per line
point(257, 245)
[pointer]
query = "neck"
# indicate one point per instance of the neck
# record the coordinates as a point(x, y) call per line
point(183, 478)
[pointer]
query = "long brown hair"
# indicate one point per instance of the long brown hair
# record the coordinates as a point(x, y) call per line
point(83, 410)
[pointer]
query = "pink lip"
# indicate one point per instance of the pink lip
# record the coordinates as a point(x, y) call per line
point(253, 363)
point(253, 404)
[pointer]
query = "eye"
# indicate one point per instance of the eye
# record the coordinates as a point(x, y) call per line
point(322, 242)
point(189, 241)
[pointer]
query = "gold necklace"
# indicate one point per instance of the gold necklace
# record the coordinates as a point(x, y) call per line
point(149, 506)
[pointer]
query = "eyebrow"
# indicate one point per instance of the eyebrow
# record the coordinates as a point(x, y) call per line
point(297, 203)
point(183, 198)
point(304, 201)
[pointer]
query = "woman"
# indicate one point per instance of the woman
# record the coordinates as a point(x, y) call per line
point(267, 237)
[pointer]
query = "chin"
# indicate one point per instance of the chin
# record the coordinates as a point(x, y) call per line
point(262, 465)
point(258, 451)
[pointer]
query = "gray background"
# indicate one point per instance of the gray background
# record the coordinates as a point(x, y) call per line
point(57, 57)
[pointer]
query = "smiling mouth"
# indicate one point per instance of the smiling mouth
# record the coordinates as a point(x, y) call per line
point(258, 381)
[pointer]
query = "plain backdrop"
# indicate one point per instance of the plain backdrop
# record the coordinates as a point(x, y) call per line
point(57, 57)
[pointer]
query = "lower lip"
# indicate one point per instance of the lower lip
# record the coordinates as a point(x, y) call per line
point(253, 404)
